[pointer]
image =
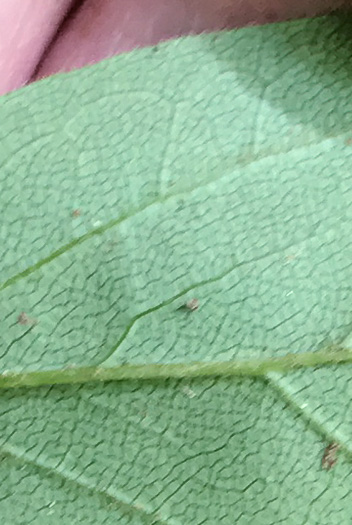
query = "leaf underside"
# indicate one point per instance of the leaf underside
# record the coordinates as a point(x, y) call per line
point(216, 168)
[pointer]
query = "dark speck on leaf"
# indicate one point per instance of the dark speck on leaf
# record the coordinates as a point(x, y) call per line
point(330, 456)
point(24, 319)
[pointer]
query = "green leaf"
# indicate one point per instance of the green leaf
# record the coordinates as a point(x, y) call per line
point(217, 167)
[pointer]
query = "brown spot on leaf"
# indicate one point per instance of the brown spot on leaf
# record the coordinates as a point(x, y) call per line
point(330, 456)
point(76, 213)
point(24, 319)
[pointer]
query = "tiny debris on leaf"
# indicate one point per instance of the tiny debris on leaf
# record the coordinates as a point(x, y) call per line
point(24, 319)
point(193, 304)
point(330, 456)
point(189, 392)
point(76, 213)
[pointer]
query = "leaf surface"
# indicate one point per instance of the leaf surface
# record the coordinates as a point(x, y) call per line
point(215, 167)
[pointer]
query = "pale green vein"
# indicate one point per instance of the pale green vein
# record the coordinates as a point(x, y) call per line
point(115, 222)
point(65, 248)
point(313, 422)
point(115, 496)
point(94, 232)
point(193, 286)
point(250, 367)
point(98, 231)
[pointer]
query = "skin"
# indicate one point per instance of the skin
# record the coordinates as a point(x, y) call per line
point(42, 38)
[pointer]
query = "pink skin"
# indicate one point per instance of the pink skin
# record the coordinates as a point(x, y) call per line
point(42, 38)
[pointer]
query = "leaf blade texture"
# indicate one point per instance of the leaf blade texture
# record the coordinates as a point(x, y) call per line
point(218, 168)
